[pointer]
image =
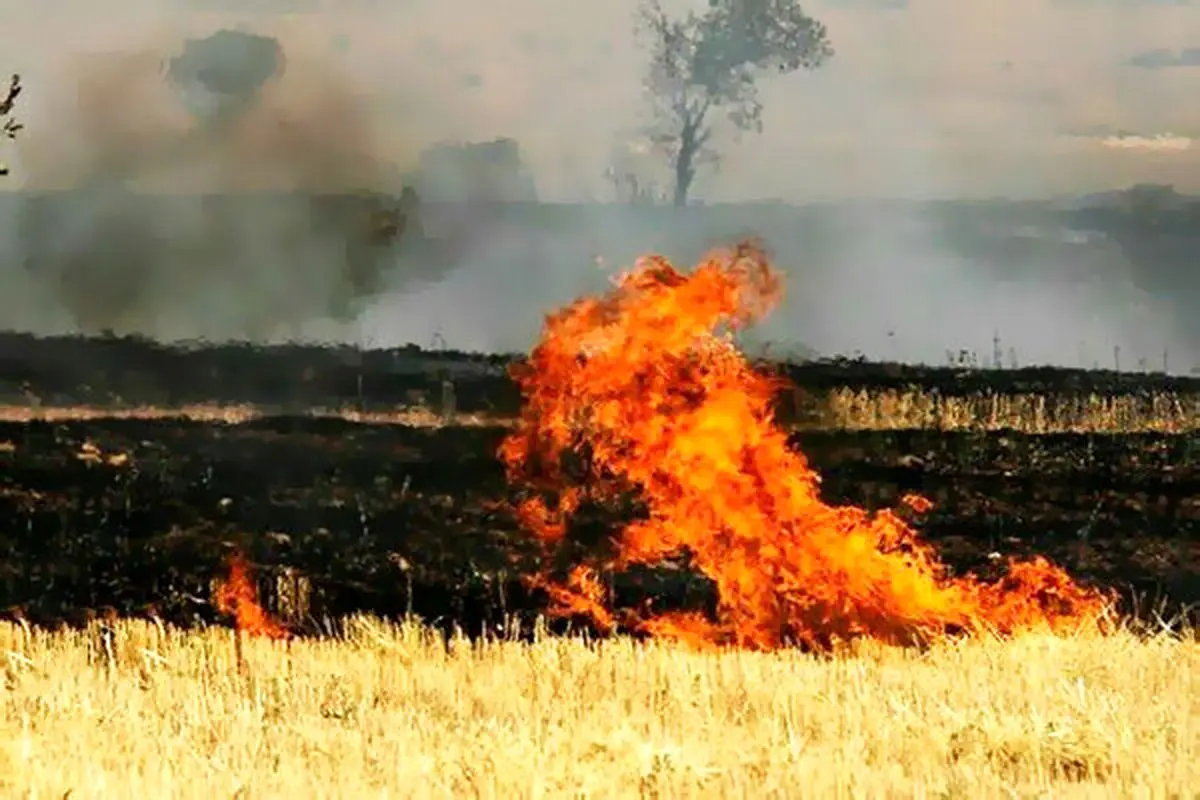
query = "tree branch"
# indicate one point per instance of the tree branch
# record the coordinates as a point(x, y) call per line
point(9, 127)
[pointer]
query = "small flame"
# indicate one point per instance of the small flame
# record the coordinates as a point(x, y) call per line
point(237, 597)
point(638, 393)
point(582, 595)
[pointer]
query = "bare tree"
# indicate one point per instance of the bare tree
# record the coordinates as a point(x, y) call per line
point(9, 127)
point(709, 63)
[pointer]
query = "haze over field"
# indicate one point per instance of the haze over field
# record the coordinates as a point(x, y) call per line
point(923, 99)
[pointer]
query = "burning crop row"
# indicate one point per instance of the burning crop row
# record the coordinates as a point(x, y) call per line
point(640, 397)
point(640, 394)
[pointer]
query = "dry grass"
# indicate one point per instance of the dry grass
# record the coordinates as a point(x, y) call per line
point(413, 416)
point(840, 409)
point(1030, 413)
point(387, 712)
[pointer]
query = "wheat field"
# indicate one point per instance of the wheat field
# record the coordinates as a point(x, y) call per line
point(836, 409)
point(390, 711)
point(851, 409)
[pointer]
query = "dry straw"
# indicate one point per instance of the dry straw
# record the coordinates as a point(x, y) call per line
point(392, 711)
point(1027, 413)
point(837, 409)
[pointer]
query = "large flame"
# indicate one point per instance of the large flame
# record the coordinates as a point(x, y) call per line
point(640, 396)
point(237, 597)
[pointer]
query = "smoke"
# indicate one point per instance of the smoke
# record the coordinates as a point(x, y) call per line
point(906, 280)
point(909, 280)
point(889, 116)
point(216, 187)
point(893, 281)
point(906, 284)
point(223, 74)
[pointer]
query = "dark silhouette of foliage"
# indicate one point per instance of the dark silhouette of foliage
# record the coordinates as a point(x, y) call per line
point(9, 126)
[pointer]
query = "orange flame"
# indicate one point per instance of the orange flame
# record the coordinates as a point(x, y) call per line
point(237, 597)
point(642, 394)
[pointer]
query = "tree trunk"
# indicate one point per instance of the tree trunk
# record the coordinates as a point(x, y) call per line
point(684, 174)
point(685, 165)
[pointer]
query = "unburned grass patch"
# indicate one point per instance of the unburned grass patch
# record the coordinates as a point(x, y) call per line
point(396, 709)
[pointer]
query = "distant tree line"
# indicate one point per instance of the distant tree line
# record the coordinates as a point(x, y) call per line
point(1145, 209)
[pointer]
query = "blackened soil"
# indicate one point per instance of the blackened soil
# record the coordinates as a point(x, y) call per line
point(391, 519)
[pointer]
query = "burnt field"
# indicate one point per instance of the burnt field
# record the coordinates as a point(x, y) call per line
point(339, 517)
point(122, 371)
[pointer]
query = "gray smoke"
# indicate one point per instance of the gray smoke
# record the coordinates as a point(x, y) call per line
point(889, 117)
point(228, 190)
point(222, 75)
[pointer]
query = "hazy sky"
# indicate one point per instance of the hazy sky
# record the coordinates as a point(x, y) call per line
point(924, 97)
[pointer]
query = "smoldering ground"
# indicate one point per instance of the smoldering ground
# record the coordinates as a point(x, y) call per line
point(217, 187)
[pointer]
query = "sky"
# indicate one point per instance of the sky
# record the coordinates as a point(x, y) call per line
point(924, 98)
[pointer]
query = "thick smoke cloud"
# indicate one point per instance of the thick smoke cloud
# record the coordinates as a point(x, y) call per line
point(887, 281)
point(891, 117)
point(223, 190)
point(223, 75)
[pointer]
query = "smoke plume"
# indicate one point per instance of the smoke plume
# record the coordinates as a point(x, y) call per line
point(223, 186)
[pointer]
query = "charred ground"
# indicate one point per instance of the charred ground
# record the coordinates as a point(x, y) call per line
point(391, 518)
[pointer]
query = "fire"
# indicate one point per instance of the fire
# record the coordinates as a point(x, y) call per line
point(237, 597)
point(639, 399)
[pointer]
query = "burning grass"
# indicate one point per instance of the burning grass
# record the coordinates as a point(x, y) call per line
point(390, 709)
point(638, 397)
